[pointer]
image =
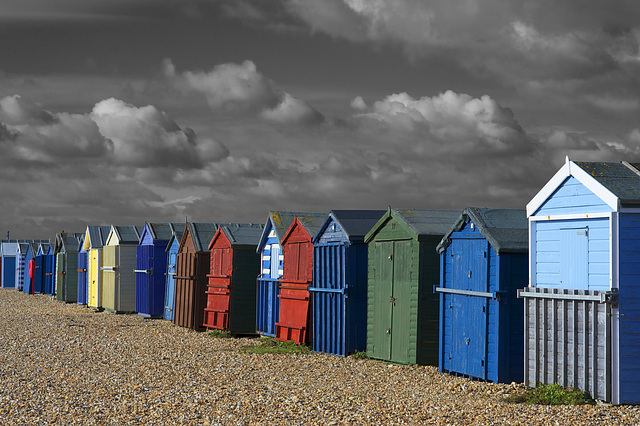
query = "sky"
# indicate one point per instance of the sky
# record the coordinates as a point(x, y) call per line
point(131, 111)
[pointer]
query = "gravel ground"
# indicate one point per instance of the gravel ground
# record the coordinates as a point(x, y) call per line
point(63, 363)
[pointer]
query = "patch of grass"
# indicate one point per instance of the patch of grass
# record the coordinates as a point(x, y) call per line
point(269, 345)
point(360, 355)
point(219, 333)
point(551, 395)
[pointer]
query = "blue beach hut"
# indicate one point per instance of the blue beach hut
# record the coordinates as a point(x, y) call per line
point(9, 249)
point(339, 291)
point(21, 253)
point(49, 264)
point(151, 267)
point(172, 258)
point(582, 310)
point(82, 283)
point(272, 261)
point(483, 263)
point(32, 281)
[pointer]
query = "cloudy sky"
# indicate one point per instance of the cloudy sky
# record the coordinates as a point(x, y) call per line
point(126, 111)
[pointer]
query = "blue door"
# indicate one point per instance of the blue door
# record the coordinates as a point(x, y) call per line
point(143, 270)
point(82, 278)
point(469, 312)
point(328, 293)
point(574, 258)
point(169, 295)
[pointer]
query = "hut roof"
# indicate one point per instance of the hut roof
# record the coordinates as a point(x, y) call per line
point(507, 230)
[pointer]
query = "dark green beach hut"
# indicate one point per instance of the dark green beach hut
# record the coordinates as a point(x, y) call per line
point(402, 309)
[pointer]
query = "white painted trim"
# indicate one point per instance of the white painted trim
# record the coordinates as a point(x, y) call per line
point(572, 169)
point(570, 216)
point(266, 271)
point(548, 189)
point(266, 257)
point(615, 312)
point(532, 253)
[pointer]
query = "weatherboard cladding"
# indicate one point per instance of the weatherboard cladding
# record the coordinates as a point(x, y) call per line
point(21, 252)
point(272, 262)
point(231, 292)
point(170, 290)
point(403, 268)
point(9, 250)
point(294, 322)
point(151, 267)
point(339, 292)
point(585, 244)
point(481, 336)
point(66, 248)
point(192, 267)
point(95, 238)
point(119, 263)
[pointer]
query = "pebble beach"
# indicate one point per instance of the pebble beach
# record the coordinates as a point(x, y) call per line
point(66, 364)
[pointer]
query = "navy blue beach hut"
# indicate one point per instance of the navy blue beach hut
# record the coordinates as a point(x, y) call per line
point(582, 306)
point(49, 271)
point(38, 255)
point(483, 263)
point(172, 258)
point(82, 283)
point(271, 260)
point(29, 268)
point(9, 249)
point(151, 267)
point(339, 292)
point(21, 253)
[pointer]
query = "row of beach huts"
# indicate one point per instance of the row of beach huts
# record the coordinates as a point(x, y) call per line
point(550, 294)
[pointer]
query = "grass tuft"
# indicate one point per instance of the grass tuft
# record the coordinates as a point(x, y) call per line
point(219, 333)
point(360, 355)
point(269, 345)
point(551, 395)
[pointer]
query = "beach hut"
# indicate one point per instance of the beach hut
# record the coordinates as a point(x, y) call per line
point(151, 267)
point(43, 273)
point(21, 252)
point(294, 319)
point(339, 292)
point(66, 250)
point(49, 284)
point(83, 267)
point(119, 266)
point(404, 268)
point(170, 289)
point(9, 249)
point(192, 267)
point(483, 263)
point(231, 288)
point(31, 271)
point(271, 261)
point(94, 239)
point(582, 310)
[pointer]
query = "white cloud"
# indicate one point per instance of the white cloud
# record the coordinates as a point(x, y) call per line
point(240, 88)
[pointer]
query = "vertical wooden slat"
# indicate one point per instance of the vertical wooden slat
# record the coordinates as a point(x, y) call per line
point(527, 303)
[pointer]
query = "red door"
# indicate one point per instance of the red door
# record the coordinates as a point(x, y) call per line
point(216, 314)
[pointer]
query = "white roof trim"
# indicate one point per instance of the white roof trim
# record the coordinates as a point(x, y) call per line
point(567, 170)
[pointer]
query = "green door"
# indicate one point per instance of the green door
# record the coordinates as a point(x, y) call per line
point(383, 286)
point(60, 277)
point(400, 303)
point(392, 301)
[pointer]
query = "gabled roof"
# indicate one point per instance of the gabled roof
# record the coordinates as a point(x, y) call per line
point(161, 231)
point(176, 236)
point(97, 236)
point(43, 248)
point(68, 242)
point(125, 234)
point(279, 221)
point(33, 248)
point(22, 248)
point(507, 230)
point(616, 184)
point(354, 223)
point(241, 234)
point(311, 222)
point(201, 234)
point(419, 222)
point(9, 248)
